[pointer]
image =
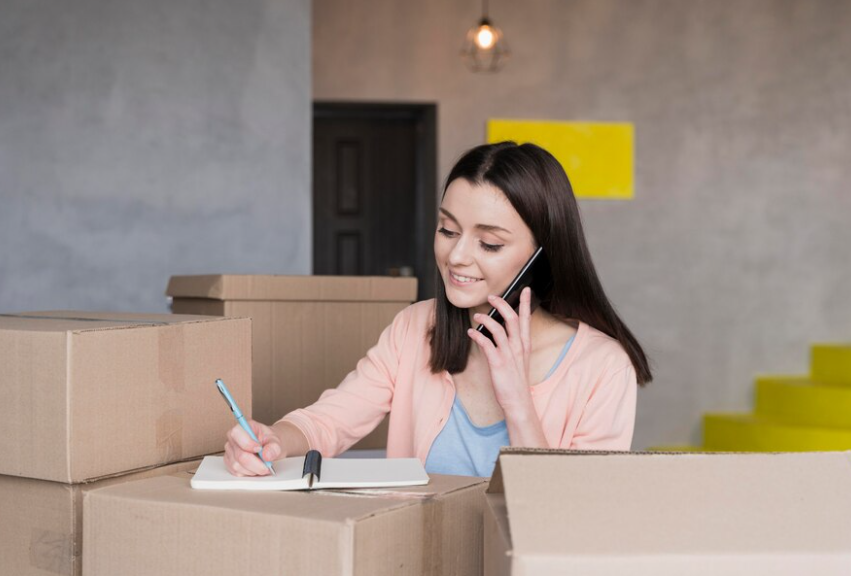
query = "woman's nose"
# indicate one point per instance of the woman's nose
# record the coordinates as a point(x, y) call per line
point(460, 254)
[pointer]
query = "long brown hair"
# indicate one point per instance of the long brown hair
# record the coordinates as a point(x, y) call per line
point(539, 190)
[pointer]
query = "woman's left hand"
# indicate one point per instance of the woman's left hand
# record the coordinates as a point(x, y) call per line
point(509, 357)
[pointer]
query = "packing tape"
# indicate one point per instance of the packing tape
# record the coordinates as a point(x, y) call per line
point(170, 436)
point(433, 530)
point(52, 551)
point(171, 357)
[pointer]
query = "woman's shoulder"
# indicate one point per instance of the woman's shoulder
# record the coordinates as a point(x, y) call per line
point(423, 308)
point(417, 317)
point(598, 348)
point(421, 312)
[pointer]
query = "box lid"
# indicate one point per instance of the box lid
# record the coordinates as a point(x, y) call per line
point(79, 321)
point(294, 288)
point(677, 506)
point(433, 529)
point(344, 506)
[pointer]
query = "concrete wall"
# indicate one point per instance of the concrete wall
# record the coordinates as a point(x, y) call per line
point(734, 254)
point(144, 139)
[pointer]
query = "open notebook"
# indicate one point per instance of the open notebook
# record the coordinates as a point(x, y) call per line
point(312, 472)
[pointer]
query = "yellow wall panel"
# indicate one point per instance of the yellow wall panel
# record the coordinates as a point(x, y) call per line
point(598, 157)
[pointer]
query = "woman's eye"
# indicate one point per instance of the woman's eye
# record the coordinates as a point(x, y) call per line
point(445, 232)
point(491, 247)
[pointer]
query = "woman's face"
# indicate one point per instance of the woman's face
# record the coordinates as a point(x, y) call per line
point(480, 245)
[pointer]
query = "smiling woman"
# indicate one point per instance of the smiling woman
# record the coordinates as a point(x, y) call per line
point(562, 371)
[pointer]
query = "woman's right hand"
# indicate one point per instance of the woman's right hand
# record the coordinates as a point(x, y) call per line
point(241, 451)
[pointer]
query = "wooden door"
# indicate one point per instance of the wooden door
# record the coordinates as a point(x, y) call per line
point(373, 199)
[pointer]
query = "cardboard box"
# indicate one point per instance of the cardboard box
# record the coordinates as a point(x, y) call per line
point(557, 512)
point(161, 526)
point(309, 331)
point(41, 522)
point(88, 394)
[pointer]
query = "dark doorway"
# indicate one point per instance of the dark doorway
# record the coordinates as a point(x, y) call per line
point(375, 190)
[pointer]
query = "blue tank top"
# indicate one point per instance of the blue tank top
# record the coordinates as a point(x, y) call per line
point(464, 449)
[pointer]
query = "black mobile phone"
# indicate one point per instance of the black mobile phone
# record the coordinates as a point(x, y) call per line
point(536, 274)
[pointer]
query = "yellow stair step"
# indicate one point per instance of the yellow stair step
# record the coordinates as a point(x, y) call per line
point(800, 401)
point(831, 363)
point(747, 433)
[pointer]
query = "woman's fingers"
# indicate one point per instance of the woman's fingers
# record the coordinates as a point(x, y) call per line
point(241, 451)
point(271, 448)
point(495, 328)
point(241, 439)
point(251, 462)
point(486, 346)
point(526, 320)
point(508, 315)
point(231, 463)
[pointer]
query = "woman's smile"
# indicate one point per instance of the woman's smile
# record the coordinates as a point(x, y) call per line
point(460, 280)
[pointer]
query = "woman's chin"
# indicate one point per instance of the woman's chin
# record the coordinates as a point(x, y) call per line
point(465, 301)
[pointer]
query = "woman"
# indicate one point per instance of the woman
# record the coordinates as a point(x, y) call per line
point(564, 375)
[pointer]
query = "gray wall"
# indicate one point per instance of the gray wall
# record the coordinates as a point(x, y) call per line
point(734, 254)
point(144, 139)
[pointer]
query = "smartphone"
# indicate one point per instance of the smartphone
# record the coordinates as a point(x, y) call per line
point(536, 274)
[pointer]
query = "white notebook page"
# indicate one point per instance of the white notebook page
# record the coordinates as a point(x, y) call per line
point(336, 473)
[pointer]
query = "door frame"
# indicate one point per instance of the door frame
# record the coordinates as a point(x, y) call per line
point(424, 116)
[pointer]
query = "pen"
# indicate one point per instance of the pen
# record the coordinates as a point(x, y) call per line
point(237, 413)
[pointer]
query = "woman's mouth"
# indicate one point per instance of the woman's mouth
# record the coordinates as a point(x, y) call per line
point(459, 280)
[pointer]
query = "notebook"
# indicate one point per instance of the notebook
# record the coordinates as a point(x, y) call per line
point(312, 472)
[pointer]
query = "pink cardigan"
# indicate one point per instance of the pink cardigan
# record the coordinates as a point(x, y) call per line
point(587, 403)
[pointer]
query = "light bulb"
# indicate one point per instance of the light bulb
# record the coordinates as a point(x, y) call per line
point(485, 37)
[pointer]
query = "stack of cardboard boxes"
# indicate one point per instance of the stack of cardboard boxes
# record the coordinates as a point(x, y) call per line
point(107, 414)
point(308, 333)
point(97, 399)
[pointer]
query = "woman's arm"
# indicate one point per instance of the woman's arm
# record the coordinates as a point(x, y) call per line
point(524, 426)
point(345, 414)
point(339, 418)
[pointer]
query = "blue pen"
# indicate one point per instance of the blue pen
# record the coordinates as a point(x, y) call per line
point(237, 413)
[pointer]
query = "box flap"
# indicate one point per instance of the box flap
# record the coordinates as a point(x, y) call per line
point(80, 321)
point(497, 536)
point(294, 288)
point(496, 484)
point(627, 504)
